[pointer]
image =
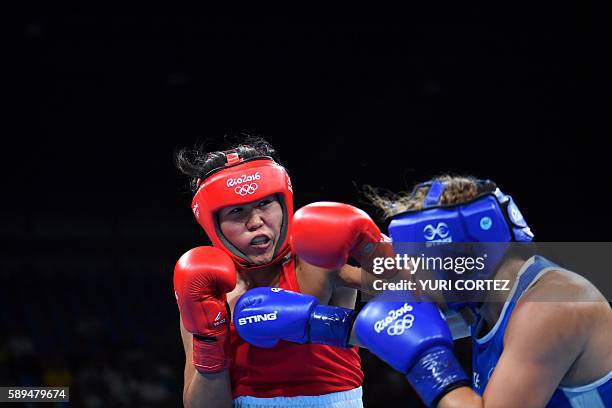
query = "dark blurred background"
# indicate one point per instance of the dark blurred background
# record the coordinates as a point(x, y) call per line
point(95, 214)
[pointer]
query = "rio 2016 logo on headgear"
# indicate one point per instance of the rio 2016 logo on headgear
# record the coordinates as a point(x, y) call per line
point(231, 182)
point(244, 189)
point(441, 231)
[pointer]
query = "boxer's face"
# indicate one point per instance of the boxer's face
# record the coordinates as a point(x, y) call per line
point(253, 228)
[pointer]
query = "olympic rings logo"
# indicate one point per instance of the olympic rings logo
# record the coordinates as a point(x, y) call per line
point(392, 320)
point(399, 327)
point(440, 230)
point(246, 189)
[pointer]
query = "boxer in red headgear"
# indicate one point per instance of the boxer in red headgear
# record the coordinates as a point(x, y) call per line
point(242, 181)
point(244, 201)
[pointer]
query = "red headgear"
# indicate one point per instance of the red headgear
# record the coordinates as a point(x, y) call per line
point(239, 182)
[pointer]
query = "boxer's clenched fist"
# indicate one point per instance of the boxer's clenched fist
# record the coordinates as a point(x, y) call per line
point(325, 234)
point(264, 316)
point(202, 277)
point(413, 338)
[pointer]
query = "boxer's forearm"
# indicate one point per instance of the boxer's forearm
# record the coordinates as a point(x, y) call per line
point(353, 339)
point(211, 390)
point(462, 397)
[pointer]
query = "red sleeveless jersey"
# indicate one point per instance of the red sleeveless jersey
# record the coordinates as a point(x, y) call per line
point(290, 369)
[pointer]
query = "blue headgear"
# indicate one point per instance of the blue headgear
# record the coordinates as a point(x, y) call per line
point(490, 217)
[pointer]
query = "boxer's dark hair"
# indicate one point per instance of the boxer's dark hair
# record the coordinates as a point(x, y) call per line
point(197, 162)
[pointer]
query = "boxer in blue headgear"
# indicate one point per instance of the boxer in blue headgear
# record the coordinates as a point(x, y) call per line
point(546, 342)
point(491, 218)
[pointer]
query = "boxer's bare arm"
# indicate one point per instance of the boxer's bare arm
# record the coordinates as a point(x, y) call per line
point(345, 293)
point(542, 342)
point(349, 276)
point(356, 278)
point(538, 352)
point(343, 296)
point(203, 390)
point(547, 343)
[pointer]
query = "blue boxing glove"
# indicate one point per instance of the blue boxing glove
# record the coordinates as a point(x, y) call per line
point(264, 316)
point(413, 338)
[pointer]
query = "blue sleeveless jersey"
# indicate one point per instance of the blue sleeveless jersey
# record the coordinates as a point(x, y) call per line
point(487, 350)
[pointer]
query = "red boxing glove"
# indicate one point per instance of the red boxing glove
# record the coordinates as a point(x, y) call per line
point(325, 234)
point(202, 277)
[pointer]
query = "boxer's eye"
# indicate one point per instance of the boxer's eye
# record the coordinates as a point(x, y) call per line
point(263, 203)
point(233, 211)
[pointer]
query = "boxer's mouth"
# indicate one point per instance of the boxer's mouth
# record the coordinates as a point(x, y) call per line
point(261, 241)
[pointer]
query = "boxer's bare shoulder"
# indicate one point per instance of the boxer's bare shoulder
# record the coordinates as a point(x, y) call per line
point(564, 286)
point(570, 312)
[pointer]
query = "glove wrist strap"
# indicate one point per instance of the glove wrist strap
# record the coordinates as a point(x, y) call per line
point(435, 374)
point(331, 325)
point(211, 354)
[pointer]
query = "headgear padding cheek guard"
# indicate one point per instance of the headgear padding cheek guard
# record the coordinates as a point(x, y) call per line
point(241, 182)
point(489, 220)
